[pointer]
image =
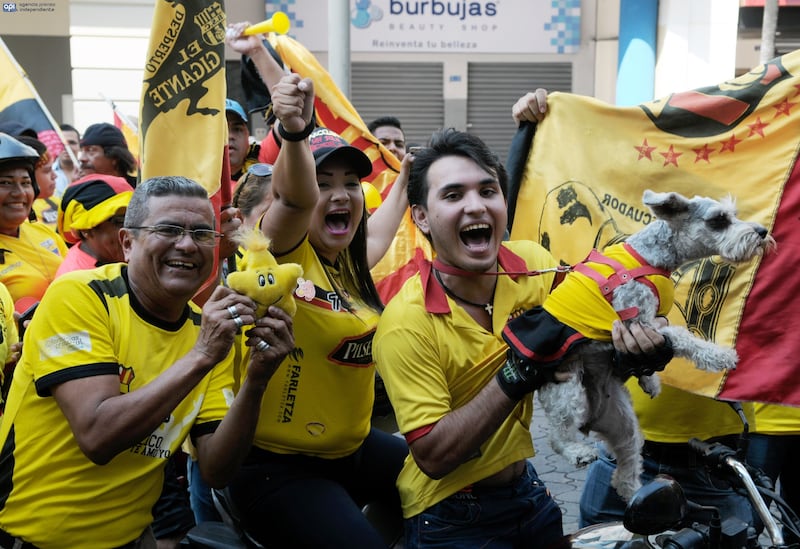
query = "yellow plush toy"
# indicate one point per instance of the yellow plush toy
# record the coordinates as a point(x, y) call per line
point(262, 278)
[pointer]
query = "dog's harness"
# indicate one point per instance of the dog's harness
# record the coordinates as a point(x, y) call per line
point(619, 276)
point(581, 307)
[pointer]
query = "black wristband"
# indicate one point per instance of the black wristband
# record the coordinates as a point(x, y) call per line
point(518, 377)
point(510, 381)
point(296, 136)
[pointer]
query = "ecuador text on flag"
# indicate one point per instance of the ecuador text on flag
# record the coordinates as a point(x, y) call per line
point(590, 163)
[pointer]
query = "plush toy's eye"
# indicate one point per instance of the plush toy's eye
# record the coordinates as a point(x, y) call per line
point(271, 279)
point(262, 281)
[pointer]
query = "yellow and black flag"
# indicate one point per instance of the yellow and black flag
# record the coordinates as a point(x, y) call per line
point(582, 187)
point(183, 130)
point(20, 103)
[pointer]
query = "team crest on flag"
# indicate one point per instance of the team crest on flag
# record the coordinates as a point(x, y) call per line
point(582, 188)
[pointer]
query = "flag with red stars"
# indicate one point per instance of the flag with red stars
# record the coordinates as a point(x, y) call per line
point(334, 111)
point(582, 188)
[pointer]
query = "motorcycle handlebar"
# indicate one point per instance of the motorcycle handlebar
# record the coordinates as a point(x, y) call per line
point(713, 453)
point(720, 456)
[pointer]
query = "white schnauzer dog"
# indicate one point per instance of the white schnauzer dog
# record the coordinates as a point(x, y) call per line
point(571, 331)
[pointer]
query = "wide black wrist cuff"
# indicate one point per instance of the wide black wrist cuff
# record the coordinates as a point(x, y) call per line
point(509, 377)
point(296, 136)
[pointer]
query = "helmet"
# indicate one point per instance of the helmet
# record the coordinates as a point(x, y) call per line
point(12, 150)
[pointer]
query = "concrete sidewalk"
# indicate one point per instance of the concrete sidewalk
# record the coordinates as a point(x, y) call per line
point(564, 480)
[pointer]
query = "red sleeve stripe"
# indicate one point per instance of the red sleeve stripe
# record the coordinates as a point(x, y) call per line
point(419, 433)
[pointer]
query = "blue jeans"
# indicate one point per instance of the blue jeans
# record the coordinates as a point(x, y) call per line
point(520, 515)
point(601, 503)
point(200, 495)
point(294, 500)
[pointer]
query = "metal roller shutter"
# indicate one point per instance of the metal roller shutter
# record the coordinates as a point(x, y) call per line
point(413, 92)
point(494, 87)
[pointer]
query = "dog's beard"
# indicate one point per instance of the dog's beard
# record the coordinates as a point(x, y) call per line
point(743, 247)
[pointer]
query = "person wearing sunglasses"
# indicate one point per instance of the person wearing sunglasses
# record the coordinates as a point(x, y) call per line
point(251, 195)
point(91, 213)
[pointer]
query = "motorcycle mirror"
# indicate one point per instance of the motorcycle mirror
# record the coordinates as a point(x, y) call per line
point(657, 506)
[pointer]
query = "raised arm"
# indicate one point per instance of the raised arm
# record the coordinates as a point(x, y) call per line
point(294, 179)
point(253, 46)
point(383, 223)
point(531, 107)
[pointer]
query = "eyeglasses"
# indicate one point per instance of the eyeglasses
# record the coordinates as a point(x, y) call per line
point(260, 170)
point(174, 233)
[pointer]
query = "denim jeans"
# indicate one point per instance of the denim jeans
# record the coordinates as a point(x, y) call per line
point(520, 515)
point(200, 495)
point(601, 503)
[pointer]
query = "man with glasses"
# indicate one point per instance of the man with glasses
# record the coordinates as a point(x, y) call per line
point(120, 367)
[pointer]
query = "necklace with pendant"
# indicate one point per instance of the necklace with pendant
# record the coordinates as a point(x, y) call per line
point(488, 307)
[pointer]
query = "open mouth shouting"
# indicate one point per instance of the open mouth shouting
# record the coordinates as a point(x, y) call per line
point(338, 222)
point(476, 237)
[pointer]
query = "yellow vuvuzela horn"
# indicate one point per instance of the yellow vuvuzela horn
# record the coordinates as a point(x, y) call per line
point(279, 22)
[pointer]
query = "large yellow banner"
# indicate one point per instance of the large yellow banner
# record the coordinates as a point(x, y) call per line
point(590, 163)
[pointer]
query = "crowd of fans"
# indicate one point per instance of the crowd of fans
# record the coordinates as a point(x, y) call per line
point(277, 410)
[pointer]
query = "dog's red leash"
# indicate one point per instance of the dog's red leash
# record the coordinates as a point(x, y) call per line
point(449, 269)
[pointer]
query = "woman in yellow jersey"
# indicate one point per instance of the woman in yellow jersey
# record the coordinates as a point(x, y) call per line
point(46, 205)
point(30, 253)
point(316, 461)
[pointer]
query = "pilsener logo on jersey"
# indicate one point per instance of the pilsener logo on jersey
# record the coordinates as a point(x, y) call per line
point(355, 352)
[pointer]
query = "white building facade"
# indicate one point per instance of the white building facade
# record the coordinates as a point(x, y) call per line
point(431, 63)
